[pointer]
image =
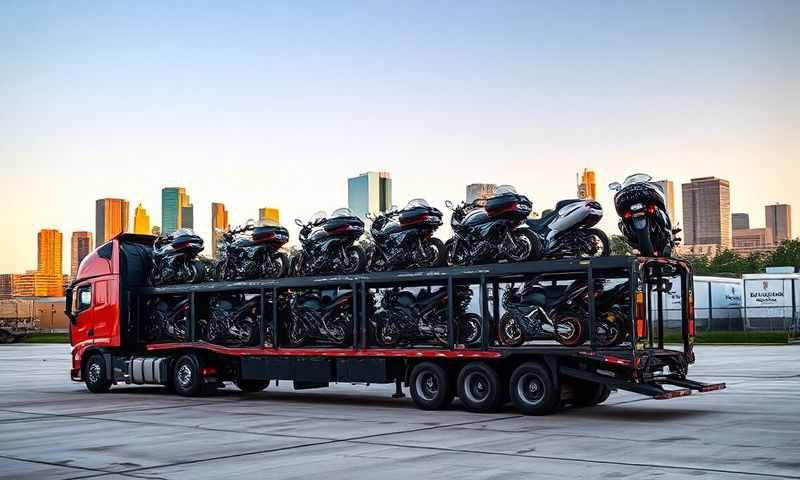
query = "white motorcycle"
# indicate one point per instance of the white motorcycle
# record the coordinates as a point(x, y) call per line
point(566, 231)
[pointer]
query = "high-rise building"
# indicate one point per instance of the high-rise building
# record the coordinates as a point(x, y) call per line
point(707, 212)
point(111, 219)
point(50, 251)
point(6, 286)
point(740, 221)
point(480, 190)
point(779, 221)
point(141, 220)
point(175, 203)
point(36, 284)
point(748, 240)
point(369, 192)
point(81, 246)
point(669, 193)
point(269, 215)
point(219, 223)
point(587, 186)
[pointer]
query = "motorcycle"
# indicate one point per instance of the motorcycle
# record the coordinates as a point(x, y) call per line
point(405, 317)
point(328, 245)
point(404, 238)
point(252, 251)
point(493, 229)
point(567, 231)
point(538, 311)
point(644, 221)
point(175, 258)
point(611, 306)
point(167, 319)
point(233, 320)
point(314, 316)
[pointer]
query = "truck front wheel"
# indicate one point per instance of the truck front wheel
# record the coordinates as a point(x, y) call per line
point(95, 375)
point(186, 377)
point(430, 386)
point(533, 390)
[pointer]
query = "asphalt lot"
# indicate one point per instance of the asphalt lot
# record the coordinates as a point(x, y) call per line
point(52, 428)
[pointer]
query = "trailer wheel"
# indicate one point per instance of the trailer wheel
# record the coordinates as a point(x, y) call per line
point(186, 377)
point(533, 390)
point(251, 386)
point(430, 386)
point(95, 375)
point(480, 388)
point(589, 394)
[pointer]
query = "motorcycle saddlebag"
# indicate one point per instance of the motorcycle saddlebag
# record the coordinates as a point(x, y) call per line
point(416, 215)
point(270, 233)
point(512, 205)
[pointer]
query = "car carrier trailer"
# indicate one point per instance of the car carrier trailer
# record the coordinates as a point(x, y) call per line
point(107, 308)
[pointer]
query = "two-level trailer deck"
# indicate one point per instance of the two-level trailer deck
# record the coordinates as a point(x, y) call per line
point(111, 309)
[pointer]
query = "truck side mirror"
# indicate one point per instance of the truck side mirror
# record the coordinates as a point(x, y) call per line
point(615, 186)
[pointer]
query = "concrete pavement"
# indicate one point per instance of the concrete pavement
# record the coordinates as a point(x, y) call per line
point(52, 428)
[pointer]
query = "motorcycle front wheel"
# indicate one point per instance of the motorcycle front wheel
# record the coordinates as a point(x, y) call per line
point(598, 241)
point(195, 271)
point(454, 257)
point(277, 266)
point(509, 331)
point(569, 330)
point(469, 329)
point(435, 254)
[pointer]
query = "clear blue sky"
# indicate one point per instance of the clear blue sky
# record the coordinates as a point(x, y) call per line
point(269, 104)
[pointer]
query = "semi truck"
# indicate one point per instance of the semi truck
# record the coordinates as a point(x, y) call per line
point(111, 309)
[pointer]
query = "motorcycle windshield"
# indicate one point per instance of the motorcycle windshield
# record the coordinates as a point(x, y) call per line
point(504, 190)
point(181, 232)
point(341, 212)
point(418, 202)
point(318, 216)
point(636, 178)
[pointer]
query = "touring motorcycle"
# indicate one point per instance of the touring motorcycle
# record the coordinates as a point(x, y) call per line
point(494, 229)
point(567, 231)
point(404, 238)
point(644, 221)
point(233, 320)
point(167, 319)
point(175, 258)
point(328, 245)
point(252, 251)
point(314, 315)
point(405, 318)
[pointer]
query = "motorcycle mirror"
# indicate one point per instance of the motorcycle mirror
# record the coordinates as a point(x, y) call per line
point(299, 222)
point(448, 204)
point(615, 186)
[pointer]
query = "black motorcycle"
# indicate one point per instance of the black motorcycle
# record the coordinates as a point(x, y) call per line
point(408, 318)
point(542, 312)
point(316, 316)
point(644, 221)
point(566, 231)
point(611, 306)
point(328, 245)
point(233, 320)
point(167, 319)
point(175, 258)
point(252, 251)
point(490, 230)
point(404, 238)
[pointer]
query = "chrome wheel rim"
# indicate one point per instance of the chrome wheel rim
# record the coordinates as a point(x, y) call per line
point(530, 389)
point(427, 386)
point(522, 250)
point(184, 375)
point(477, 387)
point(94, 372)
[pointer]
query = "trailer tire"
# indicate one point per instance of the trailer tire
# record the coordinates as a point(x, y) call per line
point(589, 394)
point(251, 386)
point(430, 386)
point(533, 390)
point(480, 387)
point(95, 375)
point(186, 377)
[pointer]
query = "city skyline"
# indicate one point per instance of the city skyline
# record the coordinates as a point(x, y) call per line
point(278, 111)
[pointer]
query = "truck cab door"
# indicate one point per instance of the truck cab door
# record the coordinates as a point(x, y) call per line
point(81, 327)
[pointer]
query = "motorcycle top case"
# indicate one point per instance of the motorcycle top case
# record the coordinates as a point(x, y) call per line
point(271, 233)
point(511, 205)
point(352, 225)
point(638, 193)
point(421, 215)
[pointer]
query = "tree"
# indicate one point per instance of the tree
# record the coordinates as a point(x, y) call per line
point(620, 246)
point(787, 254)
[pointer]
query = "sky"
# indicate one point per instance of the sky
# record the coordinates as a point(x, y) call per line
point(277, 103)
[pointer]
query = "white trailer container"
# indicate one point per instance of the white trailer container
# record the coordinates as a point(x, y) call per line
point(770, 301)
